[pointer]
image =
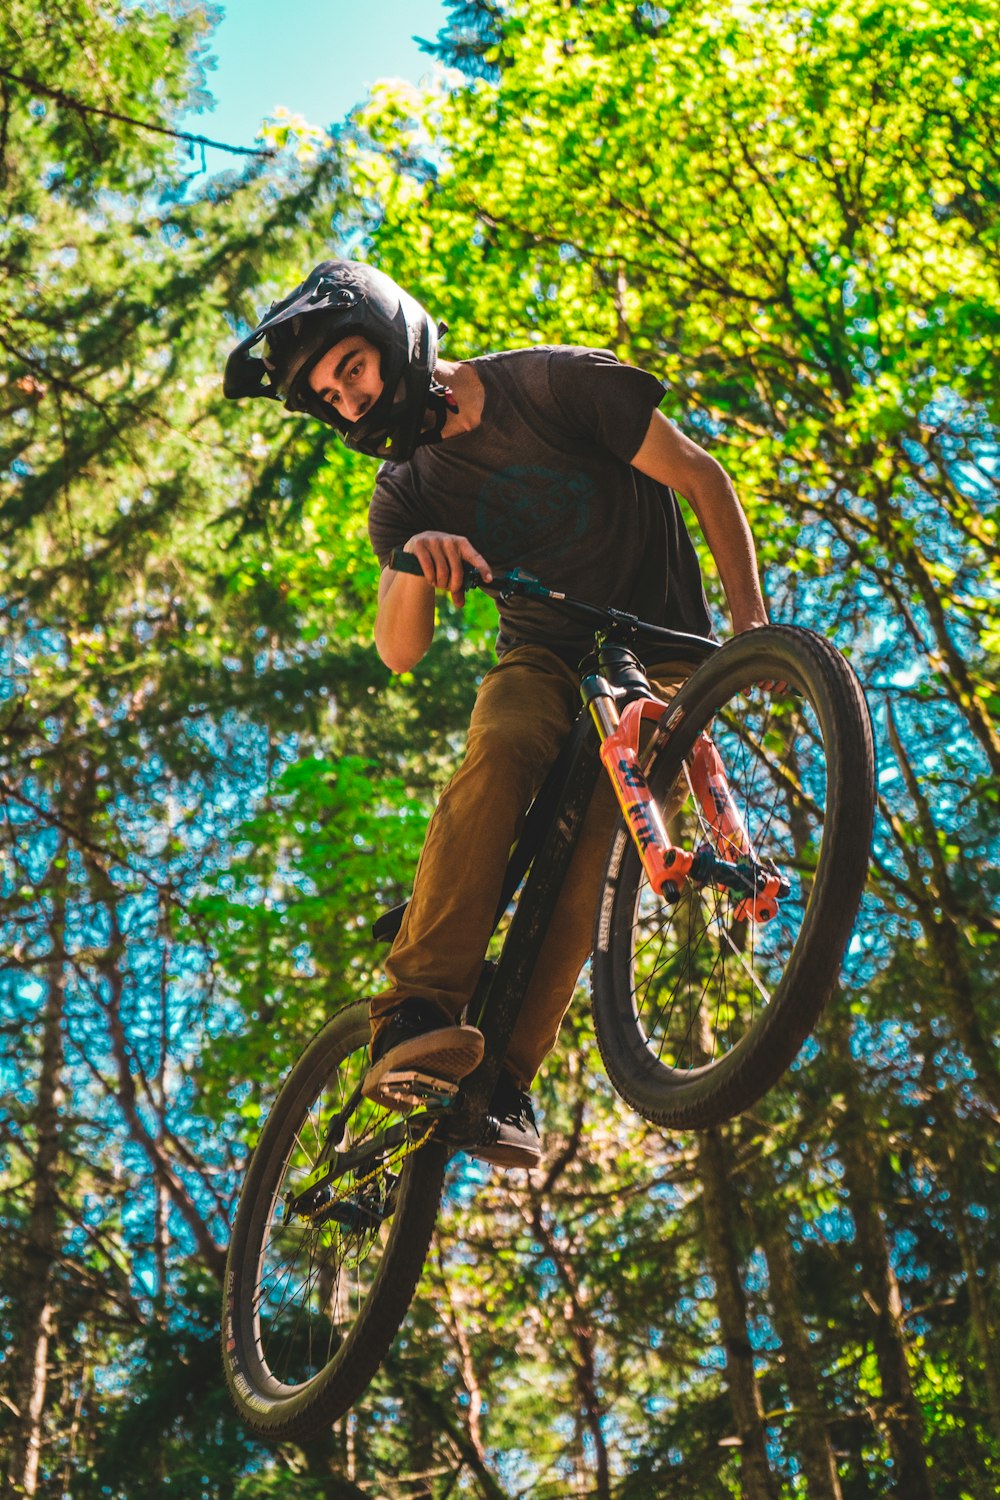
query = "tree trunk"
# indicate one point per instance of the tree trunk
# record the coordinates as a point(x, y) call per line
point(161, 1234)
point(810, 1435)
point(151, 1141)
point(942, 915)
point(465, 1362)
point(979, 1314)
point(899, 1416)
point(719, 1210)
point(581, 1329)
point(38, 1307)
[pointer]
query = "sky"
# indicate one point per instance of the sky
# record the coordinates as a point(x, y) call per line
point(318, 58)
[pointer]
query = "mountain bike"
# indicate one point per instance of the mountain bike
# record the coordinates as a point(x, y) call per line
point(731, 887)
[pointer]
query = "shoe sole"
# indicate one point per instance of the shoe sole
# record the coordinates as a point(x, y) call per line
point(446, 1056)
point(499, 1155)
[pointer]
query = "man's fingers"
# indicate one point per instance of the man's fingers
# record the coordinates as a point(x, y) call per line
point(425, 556)
point(442, 559)
point(439, 570)
point(478, 561)
point(456, 574)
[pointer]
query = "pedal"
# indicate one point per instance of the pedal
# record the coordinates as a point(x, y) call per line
point(408, 1089)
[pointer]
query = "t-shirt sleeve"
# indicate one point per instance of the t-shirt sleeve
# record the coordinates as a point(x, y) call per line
point(392, 513)
point(601, 399)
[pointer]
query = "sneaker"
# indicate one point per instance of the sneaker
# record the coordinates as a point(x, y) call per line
point(511, 1136)
point(419, 1058)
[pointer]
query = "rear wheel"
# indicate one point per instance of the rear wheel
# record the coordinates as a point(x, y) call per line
point(333, 1224)
point(698, 1008)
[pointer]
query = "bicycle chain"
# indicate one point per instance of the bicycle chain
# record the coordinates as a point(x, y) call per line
point(406, 1152)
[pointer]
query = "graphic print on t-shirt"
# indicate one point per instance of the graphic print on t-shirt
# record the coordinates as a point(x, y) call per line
point(523, 507)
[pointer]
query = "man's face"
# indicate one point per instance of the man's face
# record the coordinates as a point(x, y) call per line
point(349, 377)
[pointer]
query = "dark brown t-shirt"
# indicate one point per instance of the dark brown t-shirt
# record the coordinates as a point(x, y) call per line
point(545, 483)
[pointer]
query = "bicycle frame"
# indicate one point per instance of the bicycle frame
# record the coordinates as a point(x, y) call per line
point(541, 859)
point(611, 677)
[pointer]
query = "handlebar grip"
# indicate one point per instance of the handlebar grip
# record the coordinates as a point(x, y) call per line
point(406, 562)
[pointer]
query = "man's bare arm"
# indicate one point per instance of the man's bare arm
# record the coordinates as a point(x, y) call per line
point(670, 458)
point(404, 624)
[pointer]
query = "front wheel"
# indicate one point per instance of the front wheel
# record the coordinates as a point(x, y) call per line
point(698, 1007)
point(333, 1224)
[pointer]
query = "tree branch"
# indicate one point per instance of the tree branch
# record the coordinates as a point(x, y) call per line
point(61, 97)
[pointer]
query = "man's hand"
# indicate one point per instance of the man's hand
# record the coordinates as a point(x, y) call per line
point(754, 621)
point(749, 619)
point(442, 557)
point(404, 624)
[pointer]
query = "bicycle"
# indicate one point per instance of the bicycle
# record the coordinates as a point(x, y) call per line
point(731, 887)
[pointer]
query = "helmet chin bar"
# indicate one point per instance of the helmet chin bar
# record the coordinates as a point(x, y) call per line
point(378, 424)
point(368, 431)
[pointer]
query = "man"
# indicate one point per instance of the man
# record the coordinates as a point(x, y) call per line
point(551, 459)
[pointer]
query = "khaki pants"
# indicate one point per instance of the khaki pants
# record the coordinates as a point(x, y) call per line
point(523, 713)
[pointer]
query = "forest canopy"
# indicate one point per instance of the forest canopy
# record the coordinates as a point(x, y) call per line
point(210, 785)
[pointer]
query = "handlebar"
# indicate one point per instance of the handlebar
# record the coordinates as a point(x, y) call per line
point(616, 623)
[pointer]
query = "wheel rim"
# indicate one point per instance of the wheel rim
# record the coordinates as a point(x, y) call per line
point(701, 978)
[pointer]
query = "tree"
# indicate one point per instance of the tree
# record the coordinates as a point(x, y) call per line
point(208, 782)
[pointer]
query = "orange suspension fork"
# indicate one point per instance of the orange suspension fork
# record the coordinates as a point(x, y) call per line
point(732, 864)
point(620, 758)
point(729, 835)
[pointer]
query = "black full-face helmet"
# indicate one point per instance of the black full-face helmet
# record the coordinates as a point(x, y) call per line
point(338, 299)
